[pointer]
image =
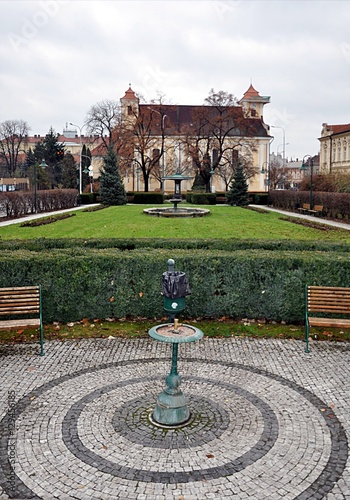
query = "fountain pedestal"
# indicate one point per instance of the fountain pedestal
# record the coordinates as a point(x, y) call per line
point(172, 405)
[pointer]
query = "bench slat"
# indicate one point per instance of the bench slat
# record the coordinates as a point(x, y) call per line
point(326, 300)
point(24, 300)
point(16, 323)
point(335, 323)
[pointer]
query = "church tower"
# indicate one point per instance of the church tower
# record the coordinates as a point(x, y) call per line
point(129, 106)
point(253, 103)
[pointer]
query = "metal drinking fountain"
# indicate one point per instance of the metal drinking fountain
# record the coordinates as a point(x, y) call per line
point(172, 405)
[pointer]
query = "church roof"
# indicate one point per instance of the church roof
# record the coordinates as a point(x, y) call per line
point(251, 92)
point(253, 95)
point(181, 117)
point(129, 94)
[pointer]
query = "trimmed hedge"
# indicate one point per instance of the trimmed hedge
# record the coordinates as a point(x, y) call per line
point(151, 197)
point(88, 283)
point(88, 198)
point(335, 205)
point(41, 244)
point(200, 198)
point(19, 203)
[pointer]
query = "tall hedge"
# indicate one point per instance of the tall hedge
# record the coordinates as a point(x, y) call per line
point(88, 283)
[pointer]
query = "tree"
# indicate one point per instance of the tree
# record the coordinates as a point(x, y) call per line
point(216, 132)
point(148, 126)
point(53, 153)
point(69, 172)
point(13, 138)
point(238, 193)
point(279, 174)
point(112, 190)
point(102, 120)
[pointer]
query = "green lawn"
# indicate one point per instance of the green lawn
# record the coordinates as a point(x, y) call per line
point(130, 221)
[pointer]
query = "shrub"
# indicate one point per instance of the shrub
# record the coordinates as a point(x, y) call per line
point(200, 198)
point(20, 203)
point(81, 282)
point(88, 198)
point(335, 205)
point(148, 198)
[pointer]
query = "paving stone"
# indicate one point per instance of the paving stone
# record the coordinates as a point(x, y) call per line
point(268, 421)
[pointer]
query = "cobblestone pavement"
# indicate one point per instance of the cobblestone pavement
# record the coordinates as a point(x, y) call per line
point(269, 421)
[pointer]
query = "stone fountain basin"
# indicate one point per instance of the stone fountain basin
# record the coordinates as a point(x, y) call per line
point(184, 333)
point(178, 212)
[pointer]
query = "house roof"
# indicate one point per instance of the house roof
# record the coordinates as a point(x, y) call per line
point(339, 129)
point(181, 117)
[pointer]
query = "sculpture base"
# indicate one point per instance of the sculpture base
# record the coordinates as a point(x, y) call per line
point(171, 410)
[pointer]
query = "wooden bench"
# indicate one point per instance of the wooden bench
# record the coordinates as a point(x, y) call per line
point(318, 209)
point(305, 208)
point(17, 302)
point(326, 300)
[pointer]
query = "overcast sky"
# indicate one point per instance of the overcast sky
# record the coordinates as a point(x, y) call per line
point(60, 57)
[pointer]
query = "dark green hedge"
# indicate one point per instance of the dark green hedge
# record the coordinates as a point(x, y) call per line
point(175, 243)
point(200, 198)
point(88, 283)
point(142, 198)
point(87, 198)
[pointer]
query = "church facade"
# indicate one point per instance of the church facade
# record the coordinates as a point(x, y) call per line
point(181, 137)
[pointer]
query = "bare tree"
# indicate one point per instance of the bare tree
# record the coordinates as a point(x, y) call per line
point(279, 175)
point(216, 133)
point(148, 150)
point(13, 138)
point(102, 120)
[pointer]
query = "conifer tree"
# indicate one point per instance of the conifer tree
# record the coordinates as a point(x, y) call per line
point(238, 192)
point(69, 172)
point(112, 190)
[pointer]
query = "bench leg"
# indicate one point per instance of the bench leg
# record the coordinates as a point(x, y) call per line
point(41, 340)
point(307, 336)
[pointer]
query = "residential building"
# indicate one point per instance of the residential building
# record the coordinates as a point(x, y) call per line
point(335, 148)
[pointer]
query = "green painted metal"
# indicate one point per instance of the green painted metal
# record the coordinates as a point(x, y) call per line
point(172, 405)
point(174, 305)
point(185, 333)
point(306, 320)
point(41, 324)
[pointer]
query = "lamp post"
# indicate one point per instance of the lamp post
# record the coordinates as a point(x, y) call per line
point(137, 179)
point(304, 167)
point(211, 180)
point(263, 171)
point(43, 164)
point(80, 158)
point(284, 139)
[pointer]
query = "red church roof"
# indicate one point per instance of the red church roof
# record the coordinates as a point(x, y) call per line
point(251, 92)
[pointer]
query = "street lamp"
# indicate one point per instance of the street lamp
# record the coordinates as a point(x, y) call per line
point(263, 171)
point(283, 145)
point(80, 159)
point(284, 139)
point(211, 180)
point(304, 167)
point(138, 178)
point(43, 164)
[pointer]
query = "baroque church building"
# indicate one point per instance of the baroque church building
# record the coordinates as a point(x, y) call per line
point(183, 138)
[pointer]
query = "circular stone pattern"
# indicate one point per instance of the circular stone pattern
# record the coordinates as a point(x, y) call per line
point(250, 429)
point(208, 421)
